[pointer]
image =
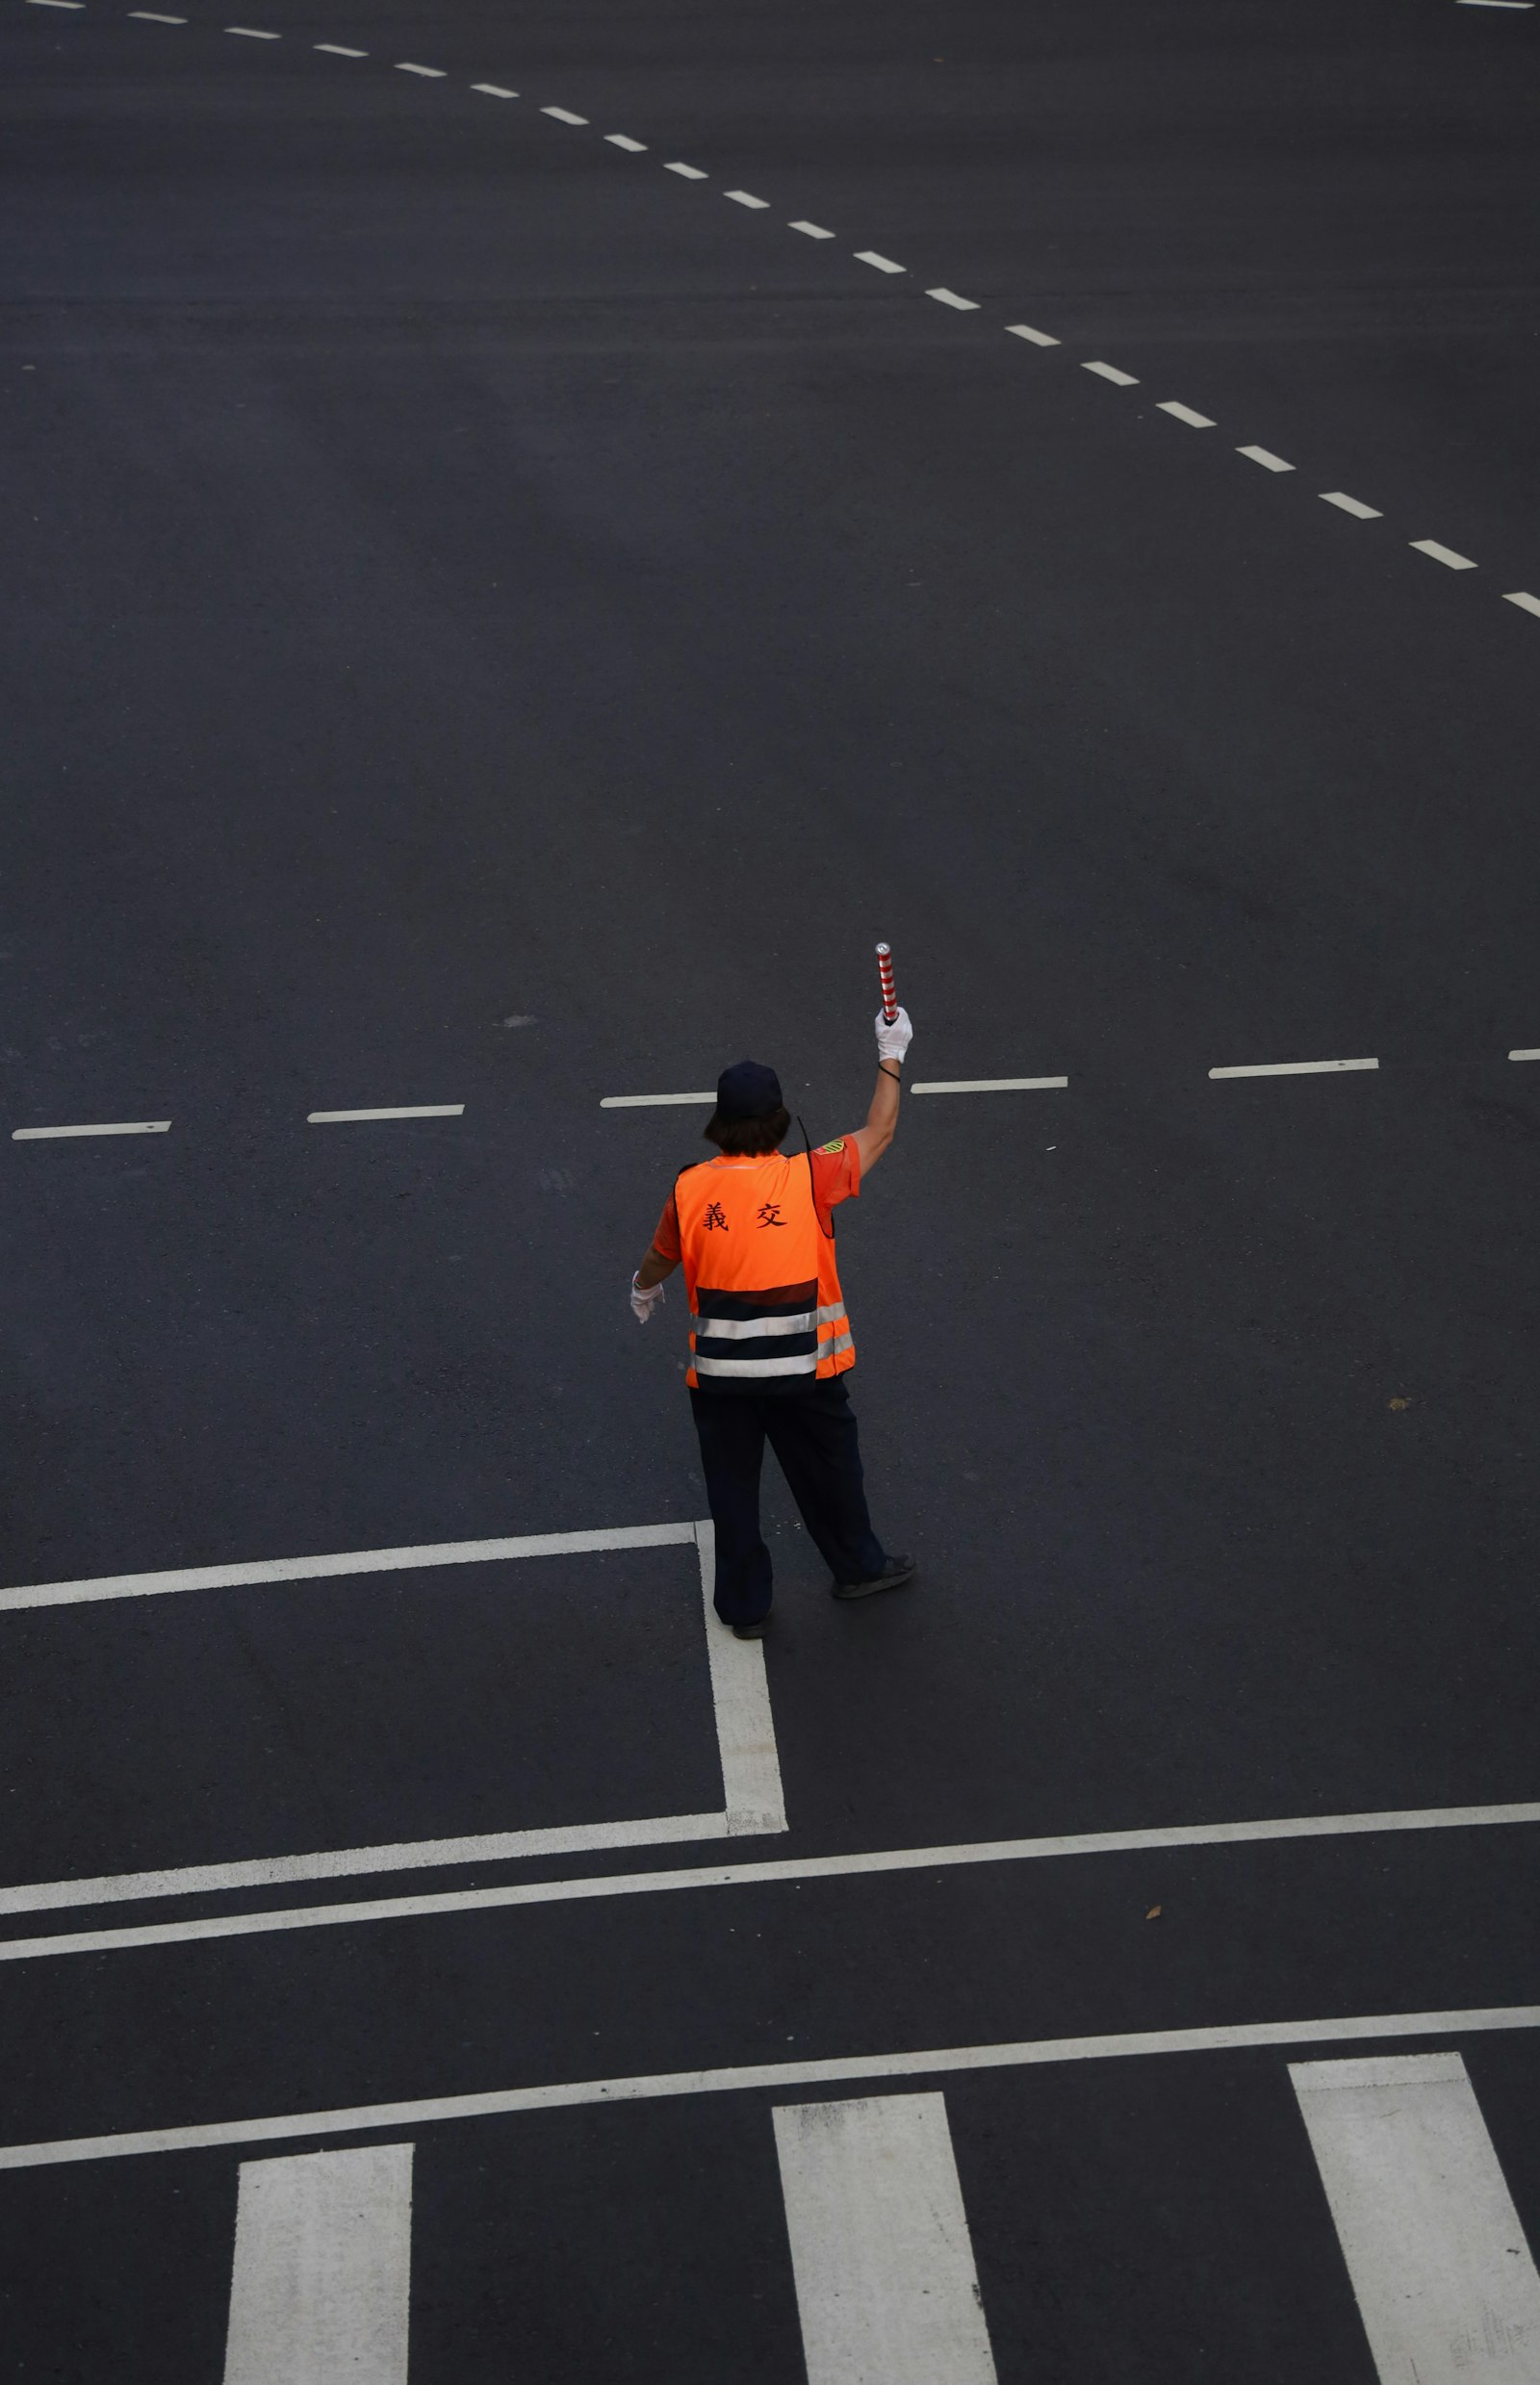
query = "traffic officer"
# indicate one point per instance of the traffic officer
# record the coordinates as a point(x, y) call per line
point(770, 1341)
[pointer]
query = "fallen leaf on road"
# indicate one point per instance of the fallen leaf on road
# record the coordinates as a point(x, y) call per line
point(1154, 1914)
point(1400, 1403)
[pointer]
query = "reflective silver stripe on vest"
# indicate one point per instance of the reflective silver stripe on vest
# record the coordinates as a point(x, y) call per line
point(831, 1315)
point(831, 1350)
point(806, 1364)
point(750, 1328)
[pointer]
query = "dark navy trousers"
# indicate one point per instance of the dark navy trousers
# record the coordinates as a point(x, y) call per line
point(812, 1433)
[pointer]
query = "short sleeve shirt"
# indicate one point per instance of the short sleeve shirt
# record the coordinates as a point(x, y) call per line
point(836, 1178)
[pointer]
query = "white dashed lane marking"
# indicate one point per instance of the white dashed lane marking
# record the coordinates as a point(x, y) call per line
point(1443, 555)
point(355, 1117)
point(993, 1084)
point(1295, 1068)
point(1350, 504)
point(658, 1101)
point(1533, 1053)
point(59, 1134)
point(940, 293)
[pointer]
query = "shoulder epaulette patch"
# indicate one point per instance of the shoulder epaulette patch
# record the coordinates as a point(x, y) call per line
point(838, 1144)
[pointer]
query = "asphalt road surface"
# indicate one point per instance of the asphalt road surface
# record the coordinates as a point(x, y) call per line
point(532, 537)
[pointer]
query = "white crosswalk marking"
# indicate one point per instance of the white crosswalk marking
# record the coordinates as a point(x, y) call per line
point(1444, 2281)
point(886, 2290)
point(322, 2260)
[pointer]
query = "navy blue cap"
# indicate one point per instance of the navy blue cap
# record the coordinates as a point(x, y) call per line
point(747, 1089)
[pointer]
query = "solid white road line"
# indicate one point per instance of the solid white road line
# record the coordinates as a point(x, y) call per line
point(1350, 504)
point(334, 49)
point(1443, 555)
point(993, 1084)
point(364, 1863)
point(1295, 1068)
point(564, 115)
point(949, 298)
point(61, 1134)
point(1532, 1054)
point(884, 265)
point(814, 231)
point(347, 1561)
point(623, 140)
point(691, 173)
point(436, 74)
point(1523, 598)
point(745, 198)
point(1230, 2037)
point(354, 1117)
point(1444, 2279)
point(657, 1101)
point(886, 2287)
point(1185, 414)
point(1039, 339)
point(753, 1796)
point(1109, 372)
point(321, 2288)
point(1265, 458)
point(775, 1872)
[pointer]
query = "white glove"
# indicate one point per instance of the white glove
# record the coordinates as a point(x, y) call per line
point(643, 1303)
point(892, 1035)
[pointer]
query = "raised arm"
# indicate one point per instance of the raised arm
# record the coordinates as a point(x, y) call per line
point(872, 1140)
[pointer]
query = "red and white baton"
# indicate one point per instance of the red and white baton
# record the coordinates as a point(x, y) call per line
point(884, 972)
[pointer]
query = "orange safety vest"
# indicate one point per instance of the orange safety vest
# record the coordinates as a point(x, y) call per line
point(766, 1311)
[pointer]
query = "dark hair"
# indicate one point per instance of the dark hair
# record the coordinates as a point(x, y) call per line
point(750, 1139)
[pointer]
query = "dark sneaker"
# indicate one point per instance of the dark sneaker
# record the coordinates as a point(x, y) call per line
point(893, 1576)
point(752, 1630)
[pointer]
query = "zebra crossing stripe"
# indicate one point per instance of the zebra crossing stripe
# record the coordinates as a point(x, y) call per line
point(323, 2266)
point(880, 2245)
point(1445, 2282)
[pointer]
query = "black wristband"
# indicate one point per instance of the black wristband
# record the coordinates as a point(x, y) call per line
point(896, 1073)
